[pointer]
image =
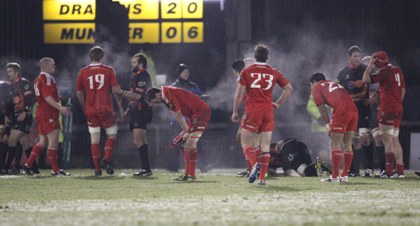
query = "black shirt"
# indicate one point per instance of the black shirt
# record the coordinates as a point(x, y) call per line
point(292, 154)
point(140, 83)
point(22, 96)
point(347, 76)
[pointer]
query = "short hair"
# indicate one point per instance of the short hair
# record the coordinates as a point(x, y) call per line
point(317, 77)
point(238, 65)
point(353, 49)
point(151, 93)
point(44, 60)
point(141, 59)
point(261, 53)
point(15, 66)
point(96, 53)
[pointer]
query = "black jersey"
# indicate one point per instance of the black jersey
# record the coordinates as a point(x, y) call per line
point(292, 154)
point(140, 83)
point(347, 78)
point(22, 96)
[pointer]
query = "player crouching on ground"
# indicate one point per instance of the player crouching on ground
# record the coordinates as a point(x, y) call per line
point(343, 121)
point(184, 103)
point(293, 155)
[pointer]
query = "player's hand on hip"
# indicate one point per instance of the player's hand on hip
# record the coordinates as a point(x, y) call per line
point(65, 111)
point(235, 117)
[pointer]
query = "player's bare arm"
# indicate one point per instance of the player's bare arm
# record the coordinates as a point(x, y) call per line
point(324, 115)
point(238, 97)
point(288, 89)
point(64, 110)
point(366, 76)
point(402, 94)
point(127, 94)
point(118, 100)
point(181, 120)
point(81, 100)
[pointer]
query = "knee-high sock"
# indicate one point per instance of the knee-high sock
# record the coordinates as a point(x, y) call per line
point(187, 161)
point(144, 157)
point(28, 154)
point(109, 147)
point(36, 151)
point(348, 157)
point(193, 161)
point(53, 158)
point(336, 160)
point(389, 163)
point(380, 151)
point(248, 165)
point(95, 150)
point(265, 160)
point(258, 154)
point(250, 154)
point(3, 154)
point(355, 164)
point(399, 169)
point(369, 156)
point(11, 154)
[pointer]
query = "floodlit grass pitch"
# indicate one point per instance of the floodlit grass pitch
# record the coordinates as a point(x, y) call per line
point(217, 198)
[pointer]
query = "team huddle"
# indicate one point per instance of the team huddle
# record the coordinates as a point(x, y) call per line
point(97, 85)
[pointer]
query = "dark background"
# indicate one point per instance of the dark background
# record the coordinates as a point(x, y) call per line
point(304, 36)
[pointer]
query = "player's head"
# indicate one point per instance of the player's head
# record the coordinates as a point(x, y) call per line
point(154, 95)
point(47, 65)
point(382, 59)
point(183, 71)
point(237, 67)
point(13, 71)
point(355, 55)
point(317, 77)
point(138, 61)
point(261, 53)
point(96, 53)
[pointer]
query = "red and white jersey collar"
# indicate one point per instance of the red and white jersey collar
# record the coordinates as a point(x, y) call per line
point(49, 77)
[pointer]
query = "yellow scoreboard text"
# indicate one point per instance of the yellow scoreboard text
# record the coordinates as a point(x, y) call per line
point(69, 33)
point(69, 9)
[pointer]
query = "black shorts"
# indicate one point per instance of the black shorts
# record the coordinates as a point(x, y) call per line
point(140, 119)
point(23, 126)
point(364, 115)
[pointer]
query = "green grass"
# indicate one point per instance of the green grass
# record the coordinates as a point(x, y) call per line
point(217, 198)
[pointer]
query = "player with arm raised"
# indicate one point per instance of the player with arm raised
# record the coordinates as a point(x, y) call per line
point(392, 92)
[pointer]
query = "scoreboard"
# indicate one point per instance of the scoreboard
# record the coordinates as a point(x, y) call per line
point(150, 21)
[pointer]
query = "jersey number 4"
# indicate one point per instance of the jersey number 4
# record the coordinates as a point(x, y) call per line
point(98, 78)
point(257, 76)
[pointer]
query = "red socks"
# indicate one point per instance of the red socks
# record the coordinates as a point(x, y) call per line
point(336, 159)
point(348, 157)
point(95, 150)
point(265, 160)
point(52, 157)
point(187, 161)
point(250, 154)
point(36, 150)
point(109, 147)
point(400, 169)
point(193, 161)
point(389, 163)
